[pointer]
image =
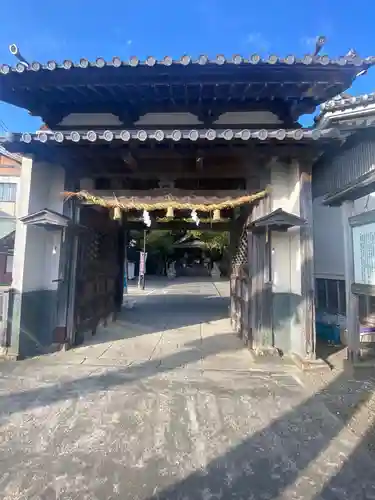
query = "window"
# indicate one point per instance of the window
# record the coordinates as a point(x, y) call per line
point(8, 191)
point(366, 310)
point(9, 264)
point(330, 295)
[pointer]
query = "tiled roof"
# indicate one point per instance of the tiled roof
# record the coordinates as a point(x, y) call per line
point(186, 60)
point(11, 156)
point(175, 135)
point(344, 102)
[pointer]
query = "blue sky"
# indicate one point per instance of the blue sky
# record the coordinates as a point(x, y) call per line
point(74, 29)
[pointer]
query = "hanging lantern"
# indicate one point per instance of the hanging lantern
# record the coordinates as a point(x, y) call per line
point(146, 218)
point(217, 215)
point(170, 212)
point(117, 213)
point(195, 217)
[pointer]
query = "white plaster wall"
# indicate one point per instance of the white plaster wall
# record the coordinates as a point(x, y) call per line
point(328, 241)
point(37, 251)
point(7, 208)
point(169, 119)
point(364, 204)
point(329, 259)
point(286, 260)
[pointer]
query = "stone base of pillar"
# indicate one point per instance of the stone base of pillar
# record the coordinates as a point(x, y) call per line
point(264, 351)
point(306, 364)
point(353, 356)
point(7, 355)
point(355, 359)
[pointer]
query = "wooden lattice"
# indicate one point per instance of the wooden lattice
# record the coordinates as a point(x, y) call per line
point(97, 272)
point(240, 255)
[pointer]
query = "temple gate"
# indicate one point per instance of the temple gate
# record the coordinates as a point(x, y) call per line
point(170, 141)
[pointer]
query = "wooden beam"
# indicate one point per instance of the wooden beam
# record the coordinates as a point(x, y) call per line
point(307, 261)
point(261, 310)
point(179, 225)
point(155, 195)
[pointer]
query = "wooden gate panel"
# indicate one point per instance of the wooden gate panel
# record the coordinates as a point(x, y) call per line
point(97, 270)
point(240, 283)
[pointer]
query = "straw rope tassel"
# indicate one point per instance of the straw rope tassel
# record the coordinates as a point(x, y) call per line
point(217, 215)
point(170, 212)
point(169, 203)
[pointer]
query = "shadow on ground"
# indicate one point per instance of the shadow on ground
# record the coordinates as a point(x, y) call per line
point(78, 388)
point(156, 313)
point(294, 456)
point(306, 453)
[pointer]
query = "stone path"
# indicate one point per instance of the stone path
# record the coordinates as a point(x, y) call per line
point(167, 404)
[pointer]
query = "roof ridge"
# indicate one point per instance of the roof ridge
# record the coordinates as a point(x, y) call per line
point(168, 133)
point(186, 60)
point(344, 101)
point(13, 156)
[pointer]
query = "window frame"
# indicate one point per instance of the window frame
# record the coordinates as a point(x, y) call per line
point(8, 192)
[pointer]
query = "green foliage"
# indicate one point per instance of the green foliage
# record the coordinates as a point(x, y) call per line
point(159, 241)
point(212, 240)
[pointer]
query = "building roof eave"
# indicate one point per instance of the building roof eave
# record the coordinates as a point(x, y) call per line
point(12, 156)
point(46, 218)
point(186, 60)
point(303, 83)
point(348, 102)
point(173, 135)
point(278, 220)
point(362, 186)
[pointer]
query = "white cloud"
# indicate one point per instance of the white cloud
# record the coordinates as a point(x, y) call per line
point(257, 41)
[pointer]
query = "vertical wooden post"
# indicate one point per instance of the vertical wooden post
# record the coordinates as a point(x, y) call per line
point(60, 331)
point(71, 276)
point(260, 288)
point(260, 293)
point(232, 279)
point(307, 262)
point(121, 241)
point(353, 351)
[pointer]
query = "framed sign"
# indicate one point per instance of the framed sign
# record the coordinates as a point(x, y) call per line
point(364, 254)
point(142, 263)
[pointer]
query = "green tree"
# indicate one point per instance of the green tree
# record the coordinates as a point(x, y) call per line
point(214, 241)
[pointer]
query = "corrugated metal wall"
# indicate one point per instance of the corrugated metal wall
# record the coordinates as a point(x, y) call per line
point(349, 164)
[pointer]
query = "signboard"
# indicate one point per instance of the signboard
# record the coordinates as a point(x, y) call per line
point(142, 263)
point(364, 254)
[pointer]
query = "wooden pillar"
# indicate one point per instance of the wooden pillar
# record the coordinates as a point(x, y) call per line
point(68, 257)
point(232, 279)
point(71, 274)
point(260, 288)
point(307, 263)
point(353, 351)
point(260, 292)
point(119, 295)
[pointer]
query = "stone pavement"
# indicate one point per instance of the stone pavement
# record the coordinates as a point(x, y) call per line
point(166, 403)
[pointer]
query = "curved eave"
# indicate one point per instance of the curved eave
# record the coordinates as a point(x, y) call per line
point(186, 60)
point(358, 115)
point(11, 156)
point(348, 103)
point(172, 135)
point(50, 89)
